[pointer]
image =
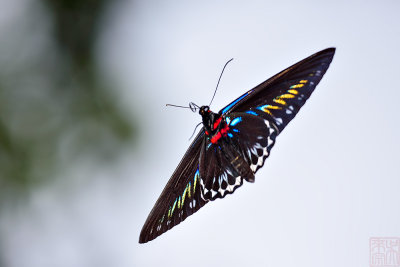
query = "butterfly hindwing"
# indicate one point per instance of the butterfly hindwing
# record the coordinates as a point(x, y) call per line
point(181, 196)
point(253, 136)
point(218, 175)
point(223, 166)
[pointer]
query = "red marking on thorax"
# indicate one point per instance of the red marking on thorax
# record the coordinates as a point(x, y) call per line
point(217, 122)
point(215, 138)
point(220, 133)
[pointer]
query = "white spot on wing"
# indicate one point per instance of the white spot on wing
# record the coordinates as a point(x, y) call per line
point(270, 143)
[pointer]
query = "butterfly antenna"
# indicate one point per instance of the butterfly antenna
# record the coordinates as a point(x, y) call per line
point(193, 107)
point(219, 80)
point(195, 130)
point(171, 105)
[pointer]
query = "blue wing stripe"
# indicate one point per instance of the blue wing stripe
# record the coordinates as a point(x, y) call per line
point(235, 102)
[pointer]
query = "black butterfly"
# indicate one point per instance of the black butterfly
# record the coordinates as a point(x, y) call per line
point(234, 143)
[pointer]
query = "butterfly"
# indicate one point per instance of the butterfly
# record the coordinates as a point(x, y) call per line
point(234, 143)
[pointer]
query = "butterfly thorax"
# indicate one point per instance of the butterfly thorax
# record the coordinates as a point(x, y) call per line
point(215, 126)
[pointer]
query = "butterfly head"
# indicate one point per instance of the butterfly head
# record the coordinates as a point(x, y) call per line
point(204, 110)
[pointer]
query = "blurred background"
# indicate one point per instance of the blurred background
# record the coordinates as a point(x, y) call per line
point(87, 144)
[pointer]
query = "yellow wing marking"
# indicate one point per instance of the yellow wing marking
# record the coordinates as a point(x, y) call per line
point(186, 192)
point(266, 108)
point(179, 203)
point(297, 86)
point(271, 107)
point(267, 111)
point(173, 207)
point(287, 96)
point(279, 101)
point(194, 185)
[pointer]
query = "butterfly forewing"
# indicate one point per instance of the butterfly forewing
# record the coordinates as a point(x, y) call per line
point(181, 196)
point(279, 98)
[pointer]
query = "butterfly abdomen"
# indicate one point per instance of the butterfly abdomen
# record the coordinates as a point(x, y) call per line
point(243, 168)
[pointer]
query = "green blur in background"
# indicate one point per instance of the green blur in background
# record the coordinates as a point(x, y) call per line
point(56, 107)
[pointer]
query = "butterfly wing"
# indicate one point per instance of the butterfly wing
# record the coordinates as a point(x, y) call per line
point(224, 165)
point(254, 137)
point(279, 98)
point(181, 196)
point(256, 118)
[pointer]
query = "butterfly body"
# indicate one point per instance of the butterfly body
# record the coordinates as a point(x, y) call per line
point(212, 123)
point(234, 143)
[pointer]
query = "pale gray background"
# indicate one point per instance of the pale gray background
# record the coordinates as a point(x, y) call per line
point(332, 180)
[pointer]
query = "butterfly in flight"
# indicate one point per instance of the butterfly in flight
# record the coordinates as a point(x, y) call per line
point(234, 143)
